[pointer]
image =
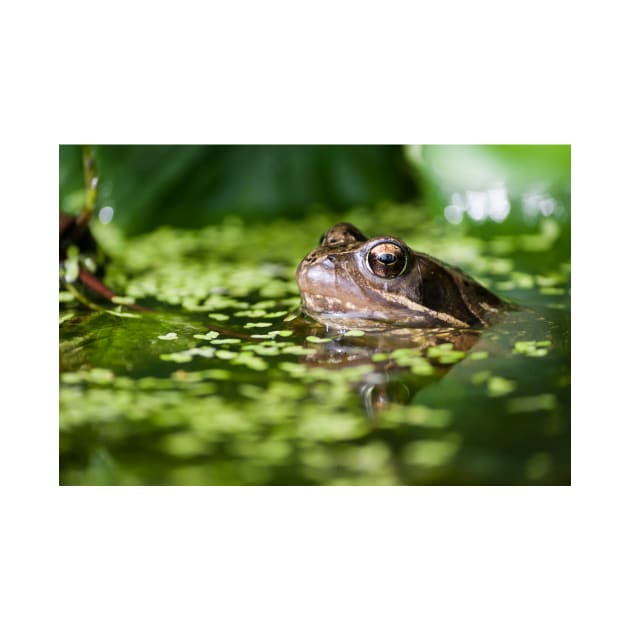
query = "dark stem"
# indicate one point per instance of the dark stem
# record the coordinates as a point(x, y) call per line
point(228, 332)
point(91, 186)
point(99, 288)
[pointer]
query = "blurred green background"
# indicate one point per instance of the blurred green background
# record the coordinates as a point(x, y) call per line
point(511, 186)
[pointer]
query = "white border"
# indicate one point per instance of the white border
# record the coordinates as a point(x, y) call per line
point(343, 72)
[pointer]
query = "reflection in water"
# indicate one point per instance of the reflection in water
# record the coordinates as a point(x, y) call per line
point(401, 361)
point(140, 405)
point(379, 396)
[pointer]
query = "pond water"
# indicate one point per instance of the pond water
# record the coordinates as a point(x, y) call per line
point(224, 382)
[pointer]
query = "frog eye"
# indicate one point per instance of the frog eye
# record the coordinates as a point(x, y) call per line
point(387, 260)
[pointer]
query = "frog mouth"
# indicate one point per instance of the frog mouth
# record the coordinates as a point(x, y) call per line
point(329, 308)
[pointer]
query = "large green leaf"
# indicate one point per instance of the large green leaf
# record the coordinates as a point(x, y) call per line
point(191, 186)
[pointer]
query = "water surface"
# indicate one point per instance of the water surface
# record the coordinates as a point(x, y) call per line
point(224, 383)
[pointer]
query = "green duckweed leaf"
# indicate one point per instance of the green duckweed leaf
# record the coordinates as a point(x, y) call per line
point(225, 354)
point(314, 339)
point(354, 333)
point(212, 334)
point(478, 356)
point(499, 386)
point(168, 336)
point(220, 317)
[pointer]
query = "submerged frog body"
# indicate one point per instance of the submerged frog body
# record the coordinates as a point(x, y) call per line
point(352, 281)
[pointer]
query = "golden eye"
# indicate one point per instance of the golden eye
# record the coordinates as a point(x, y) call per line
point(387, 260)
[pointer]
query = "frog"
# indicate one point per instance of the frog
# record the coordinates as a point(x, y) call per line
point(352, 281)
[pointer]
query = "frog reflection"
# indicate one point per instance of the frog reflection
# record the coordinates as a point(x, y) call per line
point(398, 362)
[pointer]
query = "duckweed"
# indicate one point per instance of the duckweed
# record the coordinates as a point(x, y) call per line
point(250, 361)
point(220, 317)
point(499, 386)
point(314, 339)
point(429, 453)
point(281, 333)
point(226, 355)
point(478, 356)
point(532, 348)
point(210, 335)
point(227, 383)
point(168, 336)
point(123, 299)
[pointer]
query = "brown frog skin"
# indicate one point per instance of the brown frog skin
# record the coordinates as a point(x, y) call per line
point(352, 281)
